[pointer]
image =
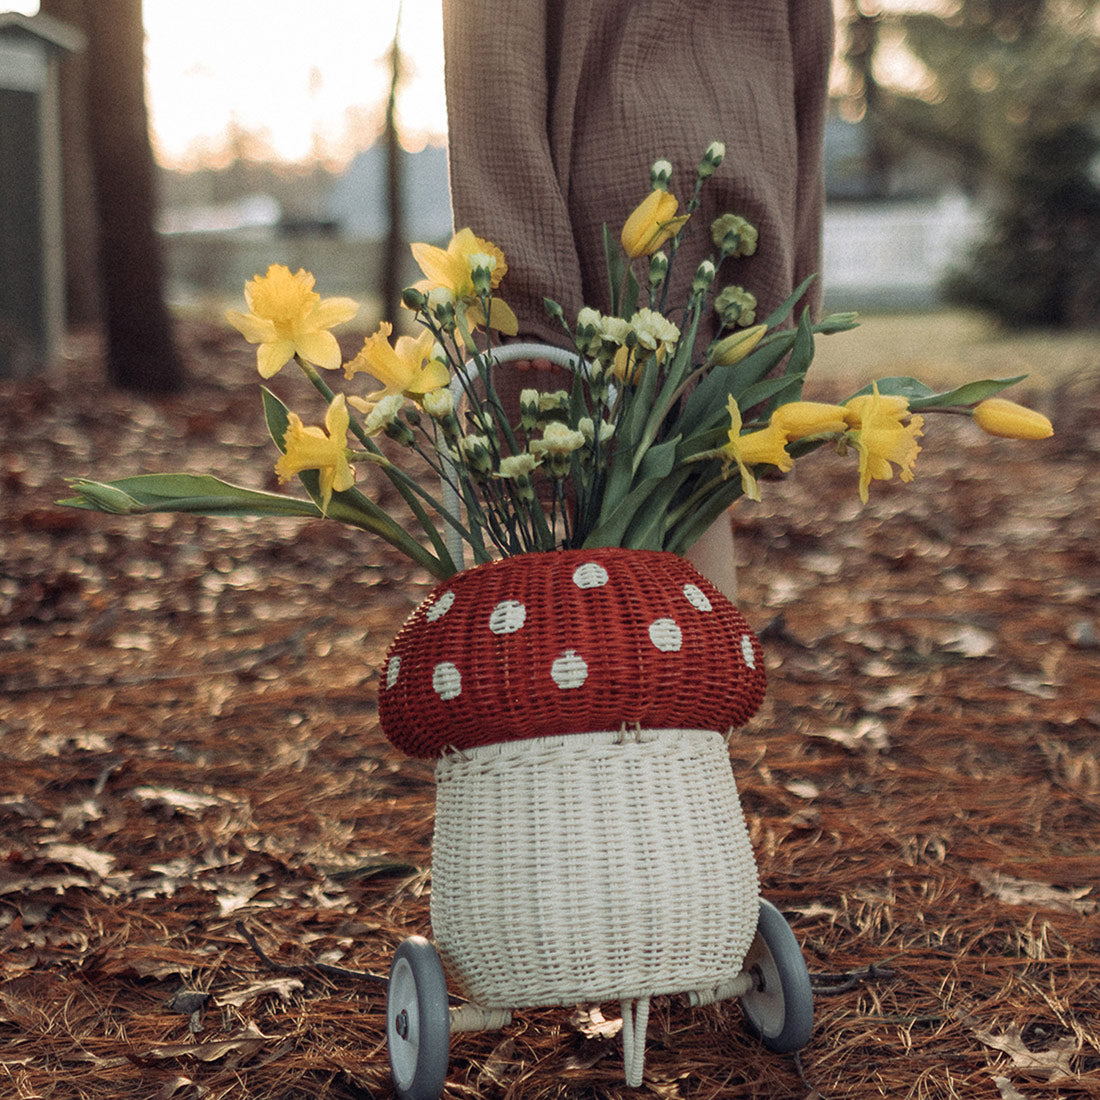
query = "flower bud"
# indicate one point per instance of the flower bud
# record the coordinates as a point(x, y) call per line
point(660, 175)
point(586, 336)
point(735, 347)
point(1000, 417)
point(529, 409)
point(439, 404)
point(712, 158)
point(658, 269)
point(704, 276)
point(553, 310)
point(479, 458)
point(413, 299)
point(481, 266)
point(106, 498)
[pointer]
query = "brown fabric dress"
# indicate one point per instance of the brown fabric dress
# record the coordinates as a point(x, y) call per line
point(558, 108)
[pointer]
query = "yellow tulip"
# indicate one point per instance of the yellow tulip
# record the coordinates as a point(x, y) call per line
point(735, 347)
point(287, 317)
point(652, 222)
point(1004, 418)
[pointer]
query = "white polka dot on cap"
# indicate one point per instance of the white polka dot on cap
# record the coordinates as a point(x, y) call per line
point(569, 670)
point(697, 597)
point(666, 635)
point(447, 681)
point(440, 607)
point(590, 575)
point(393, 670)
point(507, 617)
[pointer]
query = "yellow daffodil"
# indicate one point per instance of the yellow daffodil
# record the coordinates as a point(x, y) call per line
point(798, 419)
point(769, 445)
point(452, 269)
point(883, 439)
point(652, 222)
point(892, 402)
point(324, 450)
point(287, 317)
point(413, 366)
point(998, 416)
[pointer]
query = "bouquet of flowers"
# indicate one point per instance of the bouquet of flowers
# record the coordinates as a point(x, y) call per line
point(652, 440)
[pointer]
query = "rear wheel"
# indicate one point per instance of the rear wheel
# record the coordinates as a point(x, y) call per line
point(780, 1006)
point(418, 1022)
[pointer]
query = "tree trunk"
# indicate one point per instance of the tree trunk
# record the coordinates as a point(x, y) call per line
point(141, 354)
point(395, 237)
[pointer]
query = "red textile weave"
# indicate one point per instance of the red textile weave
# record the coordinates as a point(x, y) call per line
point(571, 641)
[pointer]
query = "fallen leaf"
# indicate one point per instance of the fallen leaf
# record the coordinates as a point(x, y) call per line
point(1007, 1090)
point(76, 855)
point(868, 733)
point(802, 788)
point(1053, 1064)
point(247, 1042)
point(1019, 891)
point(281, 987)
point(592, 1023)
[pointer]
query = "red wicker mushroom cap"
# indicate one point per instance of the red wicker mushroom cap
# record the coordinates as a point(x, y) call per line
point(571, 641)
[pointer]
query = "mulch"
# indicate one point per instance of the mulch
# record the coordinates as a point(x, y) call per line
point(209, 851)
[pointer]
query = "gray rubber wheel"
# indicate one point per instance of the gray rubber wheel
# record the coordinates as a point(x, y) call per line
point(418, 1021)
point(780, 1006)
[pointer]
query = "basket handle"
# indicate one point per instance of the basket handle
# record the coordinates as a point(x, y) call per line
point(506, 353)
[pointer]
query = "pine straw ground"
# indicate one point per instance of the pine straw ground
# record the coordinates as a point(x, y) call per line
point(191, 758)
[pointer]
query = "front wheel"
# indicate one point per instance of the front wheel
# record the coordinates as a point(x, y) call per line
point(780, 1006)
point(418, 1022)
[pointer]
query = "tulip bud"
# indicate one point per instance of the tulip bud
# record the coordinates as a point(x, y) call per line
point(1000, 417)
point(735, 347)
point(106, 498)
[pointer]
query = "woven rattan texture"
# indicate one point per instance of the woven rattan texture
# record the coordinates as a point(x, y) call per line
point(594, 867)
point(568, 642)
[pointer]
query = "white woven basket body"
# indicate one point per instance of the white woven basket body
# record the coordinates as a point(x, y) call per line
point(591, 867)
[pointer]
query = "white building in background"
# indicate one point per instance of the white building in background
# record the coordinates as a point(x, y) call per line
point(357, 203)
point(894, 254)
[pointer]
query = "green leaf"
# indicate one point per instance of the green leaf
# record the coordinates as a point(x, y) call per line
point(194, 493)
point(923, 397)
point(708, 399)
point(787, 307)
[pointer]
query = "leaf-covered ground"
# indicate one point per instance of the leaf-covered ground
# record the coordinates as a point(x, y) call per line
point(197, 806)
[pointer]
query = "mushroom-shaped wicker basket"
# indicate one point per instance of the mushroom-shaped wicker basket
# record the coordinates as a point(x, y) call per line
point(589, 842)
point(571, 641)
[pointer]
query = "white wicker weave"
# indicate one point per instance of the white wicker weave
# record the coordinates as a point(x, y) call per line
point(591, 867)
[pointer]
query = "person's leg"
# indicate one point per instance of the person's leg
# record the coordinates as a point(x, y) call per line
point(713, 555)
